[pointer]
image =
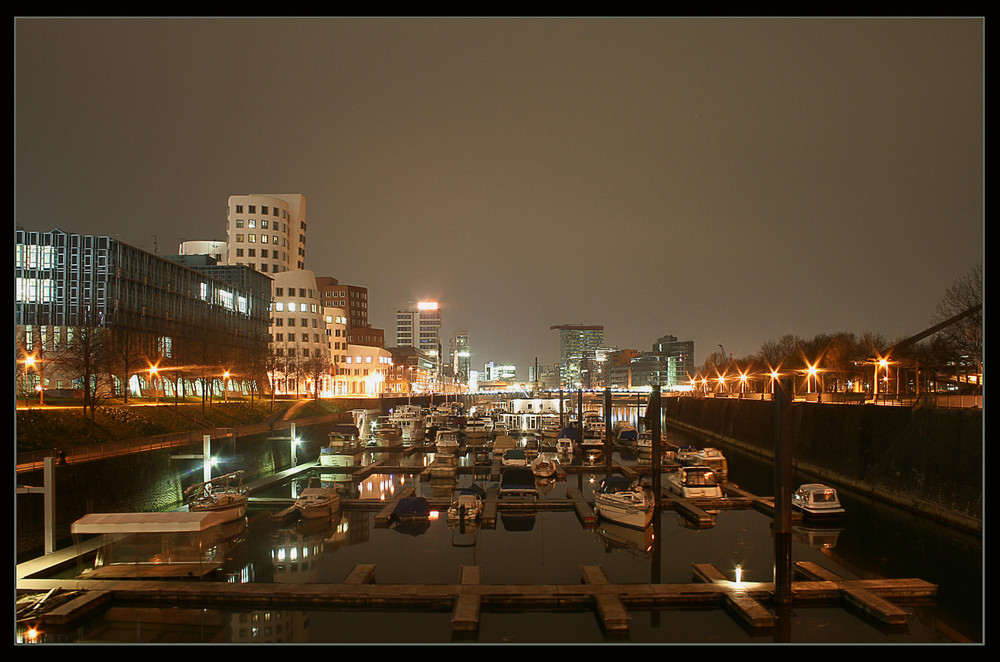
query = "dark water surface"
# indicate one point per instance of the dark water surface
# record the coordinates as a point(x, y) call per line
point(549, 547)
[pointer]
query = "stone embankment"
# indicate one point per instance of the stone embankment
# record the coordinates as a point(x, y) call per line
point(928, 460)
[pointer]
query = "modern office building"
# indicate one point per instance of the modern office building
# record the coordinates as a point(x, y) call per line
point(576, 343)
point(419, 326)
point(267, 232)
point(179, 311)
point(461, 357)
point(669, 364)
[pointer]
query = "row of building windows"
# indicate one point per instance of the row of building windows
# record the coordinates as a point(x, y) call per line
point(252, 209)
point(252, 239)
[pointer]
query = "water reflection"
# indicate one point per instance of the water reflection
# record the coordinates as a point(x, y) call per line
point(549, 547)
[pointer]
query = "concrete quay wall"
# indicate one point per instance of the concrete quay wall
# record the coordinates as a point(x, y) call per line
point(929, 460)
point(148, 481)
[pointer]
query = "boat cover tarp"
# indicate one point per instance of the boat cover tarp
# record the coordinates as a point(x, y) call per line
point(570, 432)
point(412, 507)
point(517, 478)
point(163, 522)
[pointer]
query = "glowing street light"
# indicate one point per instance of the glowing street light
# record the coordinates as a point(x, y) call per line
point(153, 371)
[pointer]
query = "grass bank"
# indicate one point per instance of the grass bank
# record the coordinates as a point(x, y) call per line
point(62, 425)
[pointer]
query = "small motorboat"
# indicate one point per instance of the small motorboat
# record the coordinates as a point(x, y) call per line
point(317, 501)
point(687, 455)
point(224, 494)
point(564, 446)
point(543, 467)
point(515, 457)
point(695, 482)
point(621, 500)
point(466, 508)
point(817, 501)
point(713, 459)
point(446, 440)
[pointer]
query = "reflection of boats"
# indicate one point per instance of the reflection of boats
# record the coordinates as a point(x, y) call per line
point(817, 538)
point(386, 432)
point(620, 500)
point(591, 454)
point(695, 482)
point(616, 536)
point(445, 465)
point(815, 500)
point(714, 460)
point(317, 501)
point(224, 494)
point(564, 446)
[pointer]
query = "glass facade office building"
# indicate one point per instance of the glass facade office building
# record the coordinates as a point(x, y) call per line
point(65, 281)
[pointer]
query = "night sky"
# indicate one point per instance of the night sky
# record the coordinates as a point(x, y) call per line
point(726, 181)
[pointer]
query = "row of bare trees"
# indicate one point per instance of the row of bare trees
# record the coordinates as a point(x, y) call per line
point(953, 354)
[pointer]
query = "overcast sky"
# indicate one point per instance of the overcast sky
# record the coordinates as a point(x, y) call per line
point(726, 181)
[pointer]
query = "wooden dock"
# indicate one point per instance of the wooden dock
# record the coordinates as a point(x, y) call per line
point(469, 598)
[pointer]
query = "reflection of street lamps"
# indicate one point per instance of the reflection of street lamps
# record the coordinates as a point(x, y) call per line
point(225, 392)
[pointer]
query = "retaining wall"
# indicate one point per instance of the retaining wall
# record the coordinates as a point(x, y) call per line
point(928, 459)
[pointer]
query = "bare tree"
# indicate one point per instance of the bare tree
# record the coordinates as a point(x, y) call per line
point(85, 358)
point(965, 336)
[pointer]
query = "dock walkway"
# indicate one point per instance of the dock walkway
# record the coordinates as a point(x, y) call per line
point(468, 598)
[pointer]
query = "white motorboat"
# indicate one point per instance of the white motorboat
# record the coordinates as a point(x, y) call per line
point(224, 494)
point(317, 501)
point(515, 457)
point(543, 467)
point(713, 459)
point(564, 446)
point(466, 508)
point(593, 426)
point(446, 440)
point(410, 420)
point(644, 441)
point(518, 483)
point(479, 427)
point(502, 444)
point(620, 500)
point(626, 433)
point(815, 500)
point(687, 455)
point(695, 482)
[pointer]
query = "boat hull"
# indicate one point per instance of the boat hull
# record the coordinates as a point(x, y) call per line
point(637, 516)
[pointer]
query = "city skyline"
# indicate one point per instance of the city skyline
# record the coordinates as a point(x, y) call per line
point(727, 181)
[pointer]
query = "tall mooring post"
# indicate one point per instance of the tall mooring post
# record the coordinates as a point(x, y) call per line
point(653, 415)
point(783, 492)
point(579, 415)
point(607, 426)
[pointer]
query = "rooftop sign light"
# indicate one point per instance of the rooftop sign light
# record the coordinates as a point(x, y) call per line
point(427, 305)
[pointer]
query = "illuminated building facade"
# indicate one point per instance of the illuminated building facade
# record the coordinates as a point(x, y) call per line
point(576, 343)
point(298, 329)
point(419, 326)
point(184, 310)
point(267, 232)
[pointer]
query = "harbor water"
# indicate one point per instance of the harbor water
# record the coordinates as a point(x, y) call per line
point(550, 547)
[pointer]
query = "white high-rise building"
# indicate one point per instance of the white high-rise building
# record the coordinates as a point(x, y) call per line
point(267, 232)
point(419, 326)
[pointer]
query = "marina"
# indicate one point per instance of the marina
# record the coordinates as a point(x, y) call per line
point(572, 564)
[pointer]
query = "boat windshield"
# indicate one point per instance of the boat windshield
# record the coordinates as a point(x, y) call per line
point(827, 496)
point(699, 478)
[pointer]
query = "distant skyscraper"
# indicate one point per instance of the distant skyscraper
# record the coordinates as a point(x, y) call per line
point(577, 342)
point(460, 356)
point(419, 326)
point(267, 232)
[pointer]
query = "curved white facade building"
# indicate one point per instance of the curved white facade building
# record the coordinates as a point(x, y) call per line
point(267, 232)
point(298, 331)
